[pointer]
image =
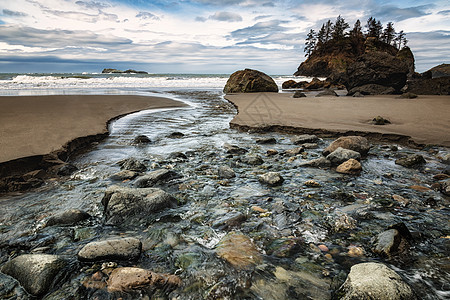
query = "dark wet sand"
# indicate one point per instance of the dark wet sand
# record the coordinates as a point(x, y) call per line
point(425, 119)
point(38, 125)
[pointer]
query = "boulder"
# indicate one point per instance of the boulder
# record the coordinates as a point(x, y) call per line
point(252, 159)
point(233, 149)
point(320, 162)
point(69, 217)
point(374, 281)
point(358, 95)
point(379, 120)
point(290, 84)
point(239, 251)
point(127, 204)
point(268, 140)
point(445, 187)
point(411, 161)
point(250, 81)
point(341, 155)
point(299, 94)
point(304, 138)
point(351, 167)
point(155, 177)
point(124, 175)
point(132, 164)
point(225, 172)
point(121, 249)
point(177, 156)
point(316, 84)
point(176, 135)
point(408, 95)
point(371, 89)
point(356, 143)
point(131, 279)
point(37, 273)
point(294, 151)
point(432, 86)
point(443, 70)
point(271, 178)
point(11, 289)
point(326, 93)
point(376, 67)
point(141, 140)
point(394, 240)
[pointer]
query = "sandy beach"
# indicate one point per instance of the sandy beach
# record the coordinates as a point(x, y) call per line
point(37, 125)
point(425, 119)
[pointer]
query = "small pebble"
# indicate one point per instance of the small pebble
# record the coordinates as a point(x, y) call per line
point(323, 248)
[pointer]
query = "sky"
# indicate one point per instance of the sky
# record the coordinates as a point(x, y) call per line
point(197, 36)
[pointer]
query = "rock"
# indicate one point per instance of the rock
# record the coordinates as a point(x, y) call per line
point(443, 70)
point(66, 169)
point(358, 94)
point(132, 164)
point(371, 89)
point(351, 166)
point(380, 121)
point(445, 187)
point(299, 94)
point(268, 140)
point(10, 288)
point(356, 143)
point(177, 156)
point(408, 95)
point(124, 175)
point(252, 159)
point(294, 151)
point(374, 281)
point(129, 71)
point(112, 249)
point(312, 183)
point(115, 71)
point(304, 138)
point(446, 159)
point(321, 162)
point(341, 155)
point(130, 279)
point(271, 152)
point(289, 84)
point(394, 240)
point(176, 135)
point(37, 273)
point(406, 55)
point(250, 81)
point(225, 172)
point(285, 247)
point(141, 140)
point(69, 217)
point(233, 149)
point(326, 93)
point(107, 71)
point(378, 68)
point(271, 178)
point(434, 86)
point(127, 204)
point(411, 161)
point(232, 219)
point(316, 84)
point(155, 177)
point(239, 251)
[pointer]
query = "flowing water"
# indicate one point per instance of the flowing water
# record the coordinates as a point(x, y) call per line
point(308, 236)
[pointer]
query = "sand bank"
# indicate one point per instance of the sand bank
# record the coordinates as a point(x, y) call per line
point(37, 125)
point(426, 119)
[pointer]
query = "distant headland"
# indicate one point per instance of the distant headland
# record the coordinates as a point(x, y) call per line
point(129, 71)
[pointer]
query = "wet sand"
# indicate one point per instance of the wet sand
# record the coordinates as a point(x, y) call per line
point(38, 125)
point(425, 119)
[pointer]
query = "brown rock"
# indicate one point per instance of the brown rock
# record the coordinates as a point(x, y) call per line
point(250, 81)
point(356, 143)
point(238, 250)
point(351, 166)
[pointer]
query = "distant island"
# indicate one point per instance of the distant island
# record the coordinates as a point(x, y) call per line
point(115, 71)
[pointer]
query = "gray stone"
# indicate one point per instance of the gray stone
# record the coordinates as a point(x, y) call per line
point(124, 175)
point(69, 217)
point(321, 162)
point(250, 81)
point(225, 172)
point(268, 140)
point(127, 204)
point(294, 151)
point(299, 94)
point(374, 281)
point(141, 140)
point(446, 159)
point(37, 273)
point(132, 164)
point(154, 177)
point(445, 187)
point(233, 149)
point(121, 249)
point(177, 156)
point(341, 155)
point(10, 288)
point(252, 159)
point(411, 161)
point(387, 242)
point(271, 178)
point(304, 138)
point(356, 143)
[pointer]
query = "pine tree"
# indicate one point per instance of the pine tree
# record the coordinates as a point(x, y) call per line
point(374, 28)
point(310, 44)
point(339, 28)
point(328, 30)
point(357, 30)
point(400, 40)
point(388, 33)
point(321, 35)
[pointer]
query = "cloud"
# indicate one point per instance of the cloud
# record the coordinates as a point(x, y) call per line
point(226, 17)
point(146, 15)
point(12, 13)
point(84, 17)
point(394, 13)
point(444, 12)
point(258, 30)
point(200, 19)
point(92, 4)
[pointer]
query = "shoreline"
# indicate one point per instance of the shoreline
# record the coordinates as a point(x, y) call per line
point(414, 122)
point(40, 133)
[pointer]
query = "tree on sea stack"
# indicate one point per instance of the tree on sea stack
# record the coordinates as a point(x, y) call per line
point(250, 81)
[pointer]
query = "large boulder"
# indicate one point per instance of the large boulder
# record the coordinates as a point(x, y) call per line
point(356, 143)
point(69, 217)
point(341, 155)
point(250, 81)
point(238, 250)
point(122, 249)
point(37, 273)
point(374, 281)
point(430, 86)
point(155, 177)
point(126, 204)
point(379, 68)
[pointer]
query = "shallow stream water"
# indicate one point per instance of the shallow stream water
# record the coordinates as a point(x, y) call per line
point(308, 236)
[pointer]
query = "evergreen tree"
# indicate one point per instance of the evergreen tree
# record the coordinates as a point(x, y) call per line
point(321, 35)
point(339, 28)
point(328, 30)
point(388, 33)
point(310, 43)
point(357, 30)
point(374, 28)
point(400, 40)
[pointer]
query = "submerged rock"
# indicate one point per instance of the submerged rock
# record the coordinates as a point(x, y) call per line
point(130, 279)
point(238, 250)
point(374, 281)
point(411, 161)
point(155, 177)
point(356, 143)
point(141, 140)
point(351, 166)
point(250, 81)
point(69, 217)
point(124, 175)
point(304, 138)
point(341, 155)
point(124, 204)
point(233, 149)
point(225, 172)
point(271, 178)
point(253, 160)
point(122, 249)
point(320, 162)
point(268, 140)
point(37, 273)
point(132, 164)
